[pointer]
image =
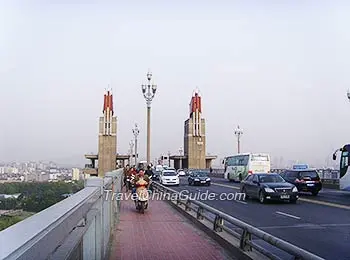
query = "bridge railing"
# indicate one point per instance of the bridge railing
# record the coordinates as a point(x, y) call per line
point(236, 228)
point(79, 227)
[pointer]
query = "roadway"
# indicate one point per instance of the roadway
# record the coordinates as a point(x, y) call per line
point(320, 224)
point(326, 195)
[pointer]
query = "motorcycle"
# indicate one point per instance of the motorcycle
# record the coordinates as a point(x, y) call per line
point(142, 196)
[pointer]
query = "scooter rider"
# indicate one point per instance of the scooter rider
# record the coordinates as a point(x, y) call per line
point(140, 175)
point(149, 171)
point(126, 173)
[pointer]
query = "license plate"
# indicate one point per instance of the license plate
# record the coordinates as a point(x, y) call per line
point(284, 196)
point(202, 181)
point(310, 185)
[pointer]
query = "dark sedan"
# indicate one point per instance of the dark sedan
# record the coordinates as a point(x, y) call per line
point(269, 186)
point(305, 180)
point(199, 178)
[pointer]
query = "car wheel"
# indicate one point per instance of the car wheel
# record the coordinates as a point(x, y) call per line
point(189, 183)
point(208, 184)
point(261, 197)
point(314, 193)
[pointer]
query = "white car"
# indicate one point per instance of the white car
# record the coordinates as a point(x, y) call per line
point(169, 177)
point(181, 172)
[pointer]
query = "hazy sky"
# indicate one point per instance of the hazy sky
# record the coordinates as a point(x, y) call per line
point(279, 69)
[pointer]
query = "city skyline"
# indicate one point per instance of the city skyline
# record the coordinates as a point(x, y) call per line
point(280, 72)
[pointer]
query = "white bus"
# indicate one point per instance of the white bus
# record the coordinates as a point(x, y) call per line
point(344, 178)
point(237, 167)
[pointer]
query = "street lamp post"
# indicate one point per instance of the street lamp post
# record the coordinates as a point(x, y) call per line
point(180, 152)
point(131, 144)
point(136, 132)
point(169, 158)
point(149, 91)
point(238, 134)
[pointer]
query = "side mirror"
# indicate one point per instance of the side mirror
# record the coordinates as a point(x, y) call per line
point(334, 156)
point(223, 161)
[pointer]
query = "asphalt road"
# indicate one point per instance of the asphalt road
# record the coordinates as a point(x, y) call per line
point(323, 229)
point(325, 195)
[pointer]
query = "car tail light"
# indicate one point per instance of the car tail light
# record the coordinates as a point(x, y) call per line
point(299, 181)
point(250, 172)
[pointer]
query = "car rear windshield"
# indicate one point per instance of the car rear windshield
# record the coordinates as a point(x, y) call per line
point(310, 174)
point(268, 178)
point(200, 174)
point(169, 173)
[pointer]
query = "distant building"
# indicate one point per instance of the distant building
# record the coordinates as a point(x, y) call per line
point(53, 176)
point(42, 177)
point(75, 174)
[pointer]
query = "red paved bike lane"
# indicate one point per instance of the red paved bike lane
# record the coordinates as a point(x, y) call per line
point(160, 233)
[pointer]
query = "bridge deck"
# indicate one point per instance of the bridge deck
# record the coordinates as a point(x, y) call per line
point(161, 233)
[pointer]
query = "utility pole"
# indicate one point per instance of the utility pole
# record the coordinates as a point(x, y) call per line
point(238, 134)
point(131, 144)
point(136, 132)
point(180, 152)
point(169, 158)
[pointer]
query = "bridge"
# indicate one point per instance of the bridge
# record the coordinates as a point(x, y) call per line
point(93, 224)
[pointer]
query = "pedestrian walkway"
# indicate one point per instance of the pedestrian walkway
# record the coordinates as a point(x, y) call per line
point(161, 233)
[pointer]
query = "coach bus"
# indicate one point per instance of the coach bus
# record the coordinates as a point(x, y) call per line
point(237, 167)
point(344, 175)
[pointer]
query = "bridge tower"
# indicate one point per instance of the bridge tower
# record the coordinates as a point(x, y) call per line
point(107, 138)
point(194, 135)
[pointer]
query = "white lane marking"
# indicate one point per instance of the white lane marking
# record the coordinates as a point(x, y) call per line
point(325, 203)
point(287, 215)
point(309, 226)
point(243, 202)
point(225, 185)
point(335, 225)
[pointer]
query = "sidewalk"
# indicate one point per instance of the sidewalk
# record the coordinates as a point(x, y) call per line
point(161, 233)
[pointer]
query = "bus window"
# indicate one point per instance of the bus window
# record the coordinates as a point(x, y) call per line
point(231, 161)
point(260, 158)
point(344, 159)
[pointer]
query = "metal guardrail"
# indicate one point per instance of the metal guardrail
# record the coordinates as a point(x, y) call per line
point(246, 243)
point(79, 227)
